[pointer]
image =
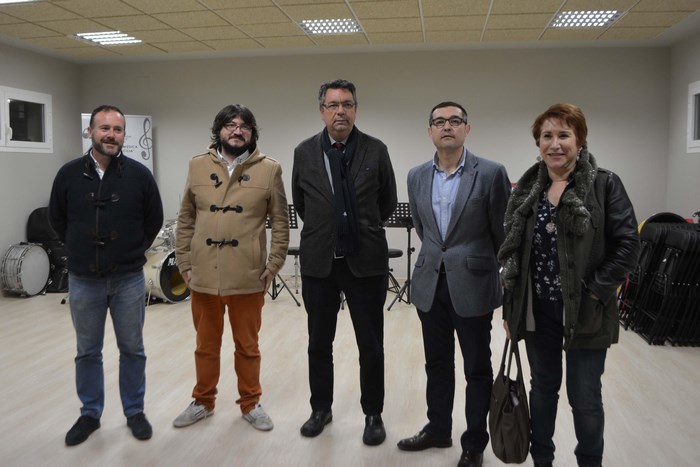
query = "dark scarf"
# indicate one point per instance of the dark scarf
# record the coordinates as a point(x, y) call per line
point(571, 210)
point(344, 198)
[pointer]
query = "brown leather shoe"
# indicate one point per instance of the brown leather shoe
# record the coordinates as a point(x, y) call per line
point(471, 459)
point(422, 441)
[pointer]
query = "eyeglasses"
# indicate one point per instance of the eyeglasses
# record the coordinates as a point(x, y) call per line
point(334, 106)
point(233, 127)
point(454, 121)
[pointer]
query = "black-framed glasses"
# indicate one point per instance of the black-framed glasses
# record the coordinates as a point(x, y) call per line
point(233, 127)
point(454, 121)
point(334, 106)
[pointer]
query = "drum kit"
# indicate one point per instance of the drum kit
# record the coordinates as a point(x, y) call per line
point(163, 279)
point(25, 269)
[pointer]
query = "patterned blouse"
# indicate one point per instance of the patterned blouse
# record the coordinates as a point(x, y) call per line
point(545, 257)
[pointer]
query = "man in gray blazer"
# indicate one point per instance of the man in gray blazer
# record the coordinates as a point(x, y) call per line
point(458, 202)
point(344, 190)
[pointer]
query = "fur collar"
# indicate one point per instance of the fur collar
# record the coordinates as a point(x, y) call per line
point(573, 214)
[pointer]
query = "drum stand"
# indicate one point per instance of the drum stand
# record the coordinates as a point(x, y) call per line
point(406, 288)
point(276, 288)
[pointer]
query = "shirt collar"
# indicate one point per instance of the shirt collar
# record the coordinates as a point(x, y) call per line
point(98, 167)
point(238, 160)
point(334, 141)
point(460, 165)
point(93, 157)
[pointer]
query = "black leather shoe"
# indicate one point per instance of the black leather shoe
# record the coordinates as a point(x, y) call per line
point(422, 441)
point(140, 427)
point(316, 423)
point(375, 433)
point(81, 430)
point(471, 459)
point(543, 464)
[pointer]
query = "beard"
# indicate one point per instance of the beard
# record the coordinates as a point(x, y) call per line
point(100, 147)
point(236, 150)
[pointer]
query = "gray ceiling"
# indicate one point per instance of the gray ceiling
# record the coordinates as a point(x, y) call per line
point(202, 28)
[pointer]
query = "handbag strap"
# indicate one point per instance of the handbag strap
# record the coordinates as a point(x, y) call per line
point(514, 350)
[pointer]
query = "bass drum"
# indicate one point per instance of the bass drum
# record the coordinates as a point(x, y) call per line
point(25, 269)
point(163, 279)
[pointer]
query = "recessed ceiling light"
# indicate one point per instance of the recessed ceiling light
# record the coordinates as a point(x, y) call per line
point(109, 38)
point(584, 19)
point(330, 26)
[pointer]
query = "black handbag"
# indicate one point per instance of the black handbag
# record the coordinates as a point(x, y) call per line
point(509, 415)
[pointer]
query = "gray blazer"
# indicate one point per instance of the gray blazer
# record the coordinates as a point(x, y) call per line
point(375, 187)
point(472, 240)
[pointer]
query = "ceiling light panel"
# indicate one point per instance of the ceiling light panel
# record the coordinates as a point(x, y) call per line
point(330, 26)
point(585, 19)
point(109, 38)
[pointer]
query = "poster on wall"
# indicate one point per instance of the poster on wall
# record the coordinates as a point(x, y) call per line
point(138, 140)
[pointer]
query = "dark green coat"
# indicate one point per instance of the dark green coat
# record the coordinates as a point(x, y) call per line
point(598, 246)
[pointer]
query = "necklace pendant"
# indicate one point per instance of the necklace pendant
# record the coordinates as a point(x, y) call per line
point(551, 227)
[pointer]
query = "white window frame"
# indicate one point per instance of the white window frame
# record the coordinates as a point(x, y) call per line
point(6, 143)
point(693, 138)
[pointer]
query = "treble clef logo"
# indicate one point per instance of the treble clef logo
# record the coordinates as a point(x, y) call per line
point(145, 141)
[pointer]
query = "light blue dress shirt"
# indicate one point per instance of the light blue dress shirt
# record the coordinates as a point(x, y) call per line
point(444, 192)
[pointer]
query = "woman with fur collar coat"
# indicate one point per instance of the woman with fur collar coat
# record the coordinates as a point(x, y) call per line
point(571, 240)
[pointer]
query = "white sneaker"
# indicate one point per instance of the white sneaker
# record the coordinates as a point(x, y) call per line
point(259, 419)
point(192, 414)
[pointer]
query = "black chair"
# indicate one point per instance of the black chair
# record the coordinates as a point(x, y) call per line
point(660, 301)
point(278, 283)
point(393, 284)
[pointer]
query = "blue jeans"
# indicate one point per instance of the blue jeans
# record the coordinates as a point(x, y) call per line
point(584, 368)
point(89, 299)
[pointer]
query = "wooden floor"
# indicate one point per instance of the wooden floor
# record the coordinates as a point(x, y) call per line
point(652, 397)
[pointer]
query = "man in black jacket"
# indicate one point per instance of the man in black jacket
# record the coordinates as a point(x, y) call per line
point(344, 189)
point(108, 210)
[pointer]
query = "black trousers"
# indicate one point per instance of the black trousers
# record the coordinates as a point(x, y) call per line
point(365, 297)
point(439, 325)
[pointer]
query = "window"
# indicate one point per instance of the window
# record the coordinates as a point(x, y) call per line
point(693, 144)
point(25, 121)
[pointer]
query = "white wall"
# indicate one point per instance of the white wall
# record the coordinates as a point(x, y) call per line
point(26, 178)
point(624, 92)
point(683, 184)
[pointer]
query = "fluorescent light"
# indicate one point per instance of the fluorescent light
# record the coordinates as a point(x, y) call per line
point(109, 38)
point(584, 19)
point(330, 26)
point(15, 1)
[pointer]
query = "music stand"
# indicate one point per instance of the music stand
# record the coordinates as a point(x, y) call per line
point(401, 217)
point(276, 288)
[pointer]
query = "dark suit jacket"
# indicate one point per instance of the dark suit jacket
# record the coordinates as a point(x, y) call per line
point(472, 240)
point(375, 187)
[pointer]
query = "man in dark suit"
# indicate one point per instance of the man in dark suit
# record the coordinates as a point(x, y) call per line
point(458, 202)
point(344, 190)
